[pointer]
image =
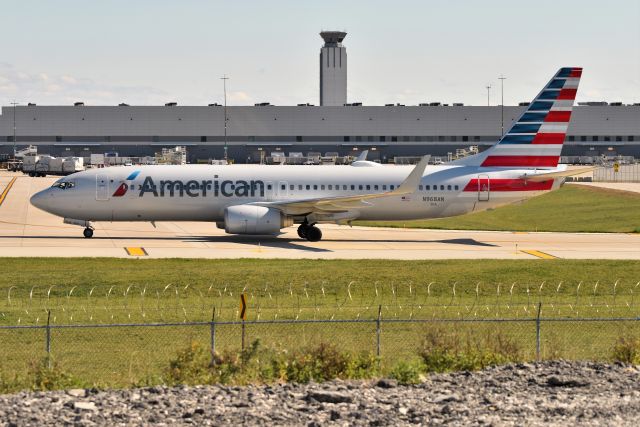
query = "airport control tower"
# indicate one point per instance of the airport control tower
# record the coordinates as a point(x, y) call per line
point(333, 69)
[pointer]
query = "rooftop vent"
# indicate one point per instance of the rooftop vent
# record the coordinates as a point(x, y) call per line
point(594, 103)
point(122, 104)
point(458, 104)
point(615, 104)
point(305, 105)
point(434, 104)
point(170, 104)
point(354, 104)
point(78, 104)
point(262, 104)
point(423, 104)
point(215, 104)
point(31, 104)
point(524, 104)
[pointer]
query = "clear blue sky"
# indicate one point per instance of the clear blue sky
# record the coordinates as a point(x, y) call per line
point(155, 51)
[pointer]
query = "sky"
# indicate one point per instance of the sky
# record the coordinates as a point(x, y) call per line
point(149, 52)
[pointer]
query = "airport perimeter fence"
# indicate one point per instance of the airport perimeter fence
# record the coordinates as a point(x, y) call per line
point(622, 173)
point(117, 354)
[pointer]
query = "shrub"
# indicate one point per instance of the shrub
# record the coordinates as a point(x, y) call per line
point(443, 351)
point(627, 350)
point(255, 364)
point(407, 373)
point(46, 374)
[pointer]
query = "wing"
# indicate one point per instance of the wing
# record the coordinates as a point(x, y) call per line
point(337, 204)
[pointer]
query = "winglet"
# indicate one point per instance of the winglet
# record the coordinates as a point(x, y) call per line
point(410, 184)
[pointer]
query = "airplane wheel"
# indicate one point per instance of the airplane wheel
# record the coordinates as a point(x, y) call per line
point(314, 234)
point(88, 233)
point(302, 231)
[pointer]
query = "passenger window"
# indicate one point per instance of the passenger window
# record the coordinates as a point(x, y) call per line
point(375, 187)
point(368, 187)
point(449, 187)
point(292, 187)
point(308, 187)
point(300, 187)
point(315, 187)
point(344, 187)
point(456, 188)
point(420, 187)
point(427, 187)
point(322, 187)
point(353, 187)
point(442, 188)
point(391, 187)
point(268, 186)
point(360, 187)
point(283, 187)
point(384, 186)
point(330, 187)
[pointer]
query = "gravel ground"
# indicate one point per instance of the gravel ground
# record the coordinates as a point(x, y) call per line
point(550, 393)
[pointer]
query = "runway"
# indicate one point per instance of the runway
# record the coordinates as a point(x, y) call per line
point(26, 231)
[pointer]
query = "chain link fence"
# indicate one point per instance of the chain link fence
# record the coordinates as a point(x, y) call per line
point(621, 173)
point(138, 353)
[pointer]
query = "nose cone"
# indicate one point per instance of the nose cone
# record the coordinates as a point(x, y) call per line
point(40, 199)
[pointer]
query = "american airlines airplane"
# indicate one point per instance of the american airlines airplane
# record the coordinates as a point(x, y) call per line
point(260, 200)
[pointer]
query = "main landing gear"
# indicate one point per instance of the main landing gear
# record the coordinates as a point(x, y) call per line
point(309, 232)
point(88, 232)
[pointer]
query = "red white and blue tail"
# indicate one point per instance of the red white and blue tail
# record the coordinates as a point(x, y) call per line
point(535, 139)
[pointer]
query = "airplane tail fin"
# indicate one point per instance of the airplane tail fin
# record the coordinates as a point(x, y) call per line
point(535, 139)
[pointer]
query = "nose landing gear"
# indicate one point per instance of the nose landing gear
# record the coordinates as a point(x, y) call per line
point(88, 233)
point(309, 232)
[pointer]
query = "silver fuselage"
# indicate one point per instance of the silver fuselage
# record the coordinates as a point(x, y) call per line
point(202, 192)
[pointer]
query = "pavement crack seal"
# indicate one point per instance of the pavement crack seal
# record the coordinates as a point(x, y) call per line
point(538, 254)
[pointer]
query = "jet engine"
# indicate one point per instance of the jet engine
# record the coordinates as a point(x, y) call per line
point(248, 219)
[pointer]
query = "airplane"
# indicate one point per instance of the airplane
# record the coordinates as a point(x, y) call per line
point(262, 200)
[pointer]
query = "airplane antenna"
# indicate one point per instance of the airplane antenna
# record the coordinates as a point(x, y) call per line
point(224, 86)
point(488, 91)
point(502, 79)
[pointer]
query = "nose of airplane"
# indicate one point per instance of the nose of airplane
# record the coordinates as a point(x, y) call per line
point(40, 199)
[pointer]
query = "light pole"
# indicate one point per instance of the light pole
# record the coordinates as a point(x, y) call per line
point(14, 103)
point(502, 79)
point(488, 91)
point(224, 85)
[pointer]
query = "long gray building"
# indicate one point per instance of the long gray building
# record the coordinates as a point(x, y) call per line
point(252, 131)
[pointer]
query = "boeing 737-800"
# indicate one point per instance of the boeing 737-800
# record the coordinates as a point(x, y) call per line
point(258, 199)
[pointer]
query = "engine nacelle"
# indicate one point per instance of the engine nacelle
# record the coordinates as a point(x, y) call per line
point(247, 219)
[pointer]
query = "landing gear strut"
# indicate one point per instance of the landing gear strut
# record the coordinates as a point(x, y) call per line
point(88, 233)
point(309, 232)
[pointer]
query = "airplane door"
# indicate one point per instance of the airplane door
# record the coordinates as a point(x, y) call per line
point(102, 187)
point(483, 188)
point(282, 189)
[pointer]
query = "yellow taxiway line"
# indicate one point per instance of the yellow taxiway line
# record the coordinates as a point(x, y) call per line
point(135, 251)
point(6, 190)
point(539, 254)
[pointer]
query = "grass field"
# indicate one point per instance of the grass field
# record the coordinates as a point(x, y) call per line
point(106, 291)
point(570, 209)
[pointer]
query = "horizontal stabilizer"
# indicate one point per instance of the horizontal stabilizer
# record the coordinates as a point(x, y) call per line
point(552, 175)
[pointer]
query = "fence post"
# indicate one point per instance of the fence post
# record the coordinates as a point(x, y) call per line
point(538, 332)
point(48, 341)
point(212, 327)
point(378, 332)
point(242, 334)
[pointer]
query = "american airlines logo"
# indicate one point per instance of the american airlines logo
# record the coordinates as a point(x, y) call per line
point(122, 189)
point(193, 188)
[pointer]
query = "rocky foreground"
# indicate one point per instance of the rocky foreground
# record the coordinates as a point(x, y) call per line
point(560, 393)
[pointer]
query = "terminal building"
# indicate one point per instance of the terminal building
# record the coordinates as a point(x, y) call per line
point(334, 126)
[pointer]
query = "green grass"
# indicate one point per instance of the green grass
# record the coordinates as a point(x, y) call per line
point(570, 209)
point(102, 291)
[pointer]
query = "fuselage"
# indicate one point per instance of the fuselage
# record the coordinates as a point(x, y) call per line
point(202, 192)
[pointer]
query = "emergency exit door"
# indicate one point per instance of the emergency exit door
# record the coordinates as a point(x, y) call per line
point(483, 188)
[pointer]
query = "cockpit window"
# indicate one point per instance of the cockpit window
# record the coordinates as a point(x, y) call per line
point(64, 185)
